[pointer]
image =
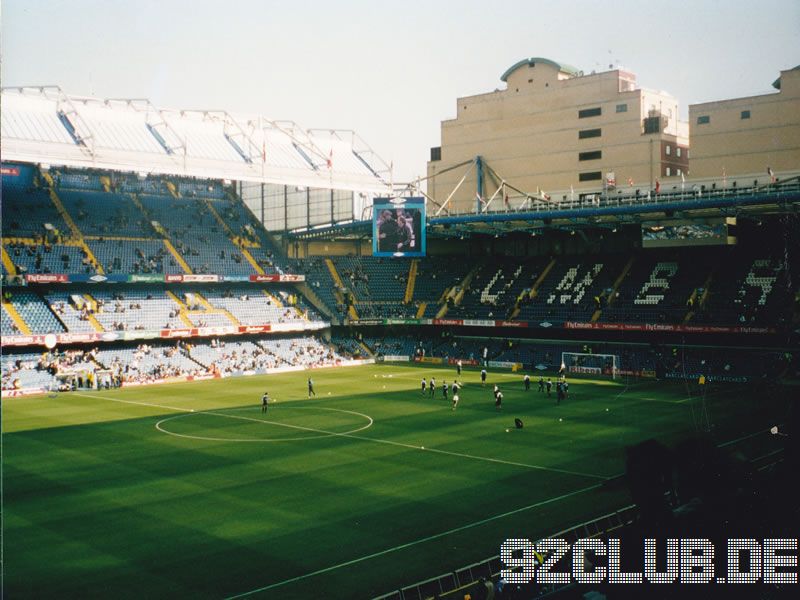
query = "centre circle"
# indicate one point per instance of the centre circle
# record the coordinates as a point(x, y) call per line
point(320, 433)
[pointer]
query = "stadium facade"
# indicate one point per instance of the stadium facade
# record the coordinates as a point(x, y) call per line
point(555, 128)
point(746, 136)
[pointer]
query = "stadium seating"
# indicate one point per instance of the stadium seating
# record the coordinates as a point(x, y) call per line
point(347, 345)
point(656, 290)
point(494, 289)
point(149, 363)
point(98, 213)
point(133, 257)
point(435, 275)
point(254, 306)
point(197, 235)
point(319, 280)
point(75, 319)
point(25, 213)
point(23, 371)
point(35, 312)
point(754, 291)
point(234, 357)
point(50, 258)
point(132, 309)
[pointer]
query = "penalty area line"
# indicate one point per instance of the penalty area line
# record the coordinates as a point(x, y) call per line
point(429, 538)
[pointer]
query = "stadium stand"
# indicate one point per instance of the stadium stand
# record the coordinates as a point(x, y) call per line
point(148, 363)
point(35, 312)
point(320, 281)
point(25, 371)
point(135, 257)
point(196, 234)
point(26, 214)
point(100, 213)
point(48, 258)
point(435, 276)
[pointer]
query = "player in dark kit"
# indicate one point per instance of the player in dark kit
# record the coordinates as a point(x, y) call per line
point(559, 392)
point(549, 385)
point(445, 389)
point(458, 367)
point(541, 383)
point(483, 376)
point(498, 400)
point(311, 388)
point(264, 402)
point(527, 381)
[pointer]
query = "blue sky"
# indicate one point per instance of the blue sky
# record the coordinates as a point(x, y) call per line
point(389, 70)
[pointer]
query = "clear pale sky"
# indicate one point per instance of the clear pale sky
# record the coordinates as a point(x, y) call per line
point(389, 70)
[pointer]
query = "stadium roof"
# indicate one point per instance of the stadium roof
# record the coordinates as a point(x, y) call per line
point(46, 126)
point(532, 61)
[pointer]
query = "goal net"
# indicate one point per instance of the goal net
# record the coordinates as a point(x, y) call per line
point(591, 364)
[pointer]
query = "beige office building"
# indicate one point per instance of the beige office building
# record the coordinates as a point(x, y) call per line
point(746, 136)
point(554, 130)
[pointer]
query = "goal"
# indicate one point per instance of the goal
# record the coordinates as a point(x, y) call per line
point(592, 364)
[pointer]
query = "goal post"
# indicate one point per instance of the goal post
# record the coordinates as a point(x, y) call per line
point(591, 364)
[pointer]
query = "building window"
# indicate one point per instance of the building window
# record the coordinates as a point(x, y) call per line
point(668, 172)
point(745, 114)
point(668, 149)
point(589, 133)
point(703, 120)
point(591, 176)
point(678, 172)
point(678, 151)
point(622, 108)
point(593, 155)
point(590, 112)
point(652, 124)
point(436, 153)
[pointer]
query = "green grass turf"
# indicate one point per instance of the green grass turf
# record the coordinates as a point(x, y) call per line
point(100, 501)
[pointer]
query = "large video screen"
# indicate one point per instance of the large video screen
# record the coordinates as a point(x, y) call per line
point(709, 232)
point(398, 227)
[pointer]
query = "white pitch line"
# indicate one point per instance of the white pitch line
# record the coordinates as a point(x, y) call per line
point(414, 542)
point(264, 421)
point(516, 464)
point(187, 410)
point(410, 446)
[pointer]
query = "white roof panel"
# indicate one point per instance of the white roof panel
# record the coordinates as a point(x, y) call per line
point(134, 135)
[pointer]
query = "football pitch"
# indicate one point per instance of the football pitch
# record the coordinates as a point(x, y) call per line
point(190, 491)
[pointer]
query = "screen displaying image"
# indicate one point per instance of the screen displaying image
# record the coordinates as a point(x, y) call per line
point(398, 227)
point(658, 235)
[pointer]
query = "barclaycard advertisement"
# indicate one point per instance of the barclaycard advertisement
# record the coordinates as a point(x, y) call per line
point(398, 227)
